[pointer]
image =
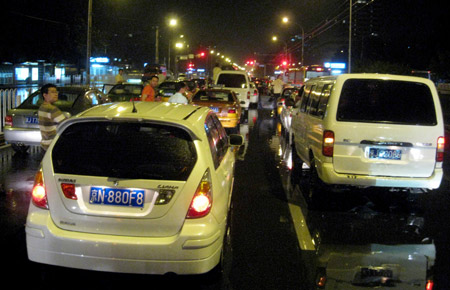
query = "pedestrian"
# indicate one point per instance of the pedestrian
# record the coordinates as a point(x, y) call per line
point(149, 91)
point(119, 77)
point(216, 71)
point(49, 115)
point(278, 85)
point(179, 96)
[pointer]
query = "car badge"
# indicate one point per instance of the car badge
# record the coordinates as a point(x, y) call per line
point(116, 183)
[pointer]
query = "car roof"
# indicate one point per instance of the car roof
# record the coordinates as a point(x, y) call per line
point(189, 116)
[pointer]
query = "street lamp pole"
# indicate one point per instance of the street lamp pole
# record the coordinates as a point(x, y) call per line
point(157, 45)
point(350, 40)
point(286, 20)
point(88, 46)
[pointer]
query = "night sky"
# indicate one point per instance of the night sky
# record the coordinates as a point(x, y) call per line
point(55, 30)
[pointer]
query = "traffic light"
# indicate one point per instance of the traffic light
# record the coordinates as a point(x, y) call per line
point(201, 54)
point(284, 63)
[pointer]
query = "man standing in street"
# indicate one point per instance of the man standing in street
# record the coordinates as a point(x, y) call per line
point(119, 77)
point(216, 71)
point(149, 91)
point(278, 85)
point(179, 96)
point(49, 115)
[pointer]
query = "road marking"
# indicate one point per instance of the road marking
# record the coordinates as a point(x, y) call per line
point(301, 228)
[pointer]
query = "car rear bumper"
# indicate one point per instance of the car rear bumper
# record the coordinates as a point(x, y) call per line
point(185, 253)
point(328, 175)
point(23, 136)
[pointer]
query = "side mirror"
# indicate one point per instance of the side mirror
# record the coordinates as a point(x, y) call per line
point(235, 140)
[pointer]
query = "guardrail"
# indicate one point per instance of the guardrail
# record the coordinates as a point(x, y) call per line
point(11, 98)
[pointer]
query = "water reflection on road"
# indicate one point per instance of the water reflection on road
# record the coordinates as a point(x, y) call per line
point(370, 236)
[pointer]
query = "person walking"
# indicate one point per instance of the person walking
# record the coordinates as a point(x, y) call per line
point(179, 96)
point(49, 115)
point(149, 91)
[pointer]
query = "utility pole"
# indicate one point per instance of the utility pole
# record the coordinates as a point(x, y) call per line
point(157, 45)
point(350, 40)
point(88, 48)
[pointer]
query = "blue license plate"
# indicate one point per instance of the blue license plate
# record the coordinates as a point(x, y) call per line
point(389, 154)
point(31, 120)
point(117, 196)
point(215, 109)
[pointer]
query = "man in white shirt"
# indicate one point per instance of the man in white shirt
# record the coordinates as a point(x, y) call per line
point(179, 97)
point(278, 85)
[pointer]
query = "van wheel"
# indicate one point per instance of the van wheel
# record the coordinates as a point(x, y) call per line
point(317, 189)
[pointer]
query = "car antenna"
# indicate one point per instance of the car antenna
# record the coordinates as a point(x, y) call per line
point(134, 107)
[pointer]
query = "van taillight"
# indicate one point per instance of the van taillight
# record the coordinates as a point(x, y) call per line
point(8, 120)
point(202, 200)
point(248, 95)
point(39, 193)
point(440, 149)
point(430, 285)
point(328, 143)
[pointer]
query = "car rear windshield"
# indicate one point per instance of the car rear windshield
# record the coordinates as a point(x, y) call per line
point(232, 80)
point(125, 150)
point(66, 98)
point(213, 96)
point(386, 101)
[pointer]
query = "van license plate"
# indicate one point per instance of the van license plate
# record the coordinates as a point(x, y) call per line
point(117, 196)
point(390, 154)
point(375, 276)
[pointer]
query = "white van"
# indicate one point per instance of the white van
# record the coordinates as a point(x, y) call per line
point(371, 130)
point(239, 82)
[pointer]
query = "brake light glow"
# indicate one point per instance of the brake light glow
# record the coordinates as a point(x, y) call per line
point(39, 193)
point(202, 200)
point(440, 149)
point(255, 92)
point(69, 190)
point(328, 143)
point(430, 285)
point(232, 111)
point(8, 120)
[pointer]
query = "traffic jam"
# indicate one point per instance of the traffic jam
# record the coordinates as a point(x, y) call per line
point(194, 171)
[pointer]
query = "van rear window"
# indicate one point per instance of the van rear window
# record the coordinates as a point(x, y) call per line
point(232, 81)
point(125, 150)
point(386, 101)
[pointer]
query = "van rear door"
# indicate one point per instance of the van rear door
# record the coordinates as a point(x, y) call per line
point(387, 128)
point(239, 83)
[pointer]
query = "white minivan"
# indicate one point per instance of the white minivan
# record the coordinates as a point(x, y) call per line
point(371, 130)
point(239, 82)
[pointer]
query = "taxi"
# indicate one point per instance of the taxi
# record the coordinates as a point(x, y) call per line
point(223, 102)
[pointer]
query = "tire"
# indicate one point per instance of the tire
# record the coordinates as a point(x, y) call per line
point(318, 192)
point(21, 149)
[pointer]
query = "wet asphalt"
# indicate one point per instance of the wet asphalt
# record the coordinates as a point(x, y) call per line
point(266, 252)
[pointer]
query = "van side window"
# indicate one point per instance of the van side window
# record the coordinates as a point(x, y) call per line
point(314, 100)
point(305, 97)
point(323, 102)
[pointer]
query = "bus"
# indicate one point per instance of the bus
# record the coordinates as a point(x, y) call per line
point(298, 76)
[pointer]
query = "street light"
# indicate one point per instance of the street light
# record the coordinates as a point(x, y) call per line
point(172, 23)
point(286, 21)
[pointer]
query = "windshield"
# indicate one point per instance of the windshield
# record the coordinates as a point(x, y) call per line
point(66, 99)
point(232, 80)
point(125, 150)
point(384, 101)
point(213, 96)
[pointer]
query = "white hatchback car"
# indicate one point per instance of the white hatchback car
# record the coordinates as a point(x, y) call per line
point(371, 130)
point(135, 188)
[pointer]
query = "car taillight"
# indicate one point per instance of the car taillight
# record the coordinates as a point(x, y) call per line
point(328, 143)
point(440, 149)
point(255, 92)
point(8, 120)
point(39, 193)
point(232, 111)
point(202, 200)
point(430, 285)
point(69, 190)
point(248, 95)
